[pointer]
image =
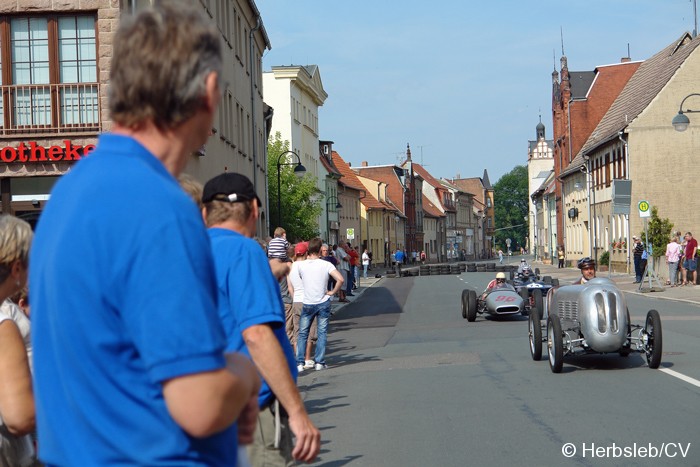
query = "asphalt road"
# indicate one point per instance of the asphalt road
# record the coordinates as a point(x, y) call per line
point(411, 383)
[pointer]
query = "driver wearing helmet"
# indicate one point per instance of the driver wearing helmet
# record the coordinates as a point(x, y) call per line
point(587, 267)
point(523, 264)
point(497, 283)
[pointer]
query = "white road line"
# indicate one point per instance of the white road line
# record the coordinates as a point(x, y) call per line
point(681, 376)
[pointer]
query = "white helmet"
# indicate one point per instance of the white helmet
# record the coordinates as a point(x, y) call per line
point(501, 275)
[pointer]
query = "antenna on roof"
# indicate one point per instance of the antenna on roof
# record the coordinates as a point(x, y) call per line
point(628, 51)
point(695, 15)
point(421, 154)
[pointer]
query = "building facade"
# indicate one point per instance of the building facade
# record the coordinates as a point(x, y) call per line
point(55, 79)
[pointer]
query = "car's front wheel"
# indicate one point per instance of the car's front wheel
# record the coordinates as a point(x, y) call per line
point(535, 334)
point(555, 344)
point(654, 339)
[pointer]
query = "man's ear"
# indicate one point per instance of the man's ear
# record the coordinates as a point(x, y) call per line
point(213, 93)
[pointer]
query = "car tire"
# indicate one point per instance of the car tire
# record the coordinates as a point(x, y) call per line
point(512, 274)
point(547, 280)
point(555, 344)
point(465, 295)
point(538, 301)
point(654, 339)
point(471, 306)
point(555, 282)
point(535, 335)
point(537, 273)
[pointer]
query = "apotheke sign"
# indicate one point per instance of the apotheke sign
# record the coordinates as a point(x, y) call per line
point(32, 152)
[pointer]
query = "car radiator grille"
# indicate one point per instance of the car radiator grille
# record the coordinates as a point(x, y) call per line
point(568, 310)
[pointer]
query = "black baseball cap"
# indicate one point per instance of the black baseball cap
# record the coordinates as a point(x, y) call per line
point(231, 187)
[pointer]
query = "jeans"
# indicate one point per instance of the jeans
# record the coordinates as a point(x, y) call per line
point(365, 266)
point(322, 311)
point(672, 272)
point(351, 280)
point(638, 271)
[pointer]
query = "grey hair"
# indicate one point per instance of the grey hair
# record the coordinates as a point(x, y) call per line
point(161, 59)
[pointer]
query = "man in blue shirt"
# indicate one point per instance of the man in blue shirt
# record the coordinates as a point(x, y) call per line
point(250, 306)
point(129, 360)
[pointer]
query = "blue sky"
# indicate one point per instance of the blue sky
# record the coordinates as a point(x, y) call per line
point(463, 82)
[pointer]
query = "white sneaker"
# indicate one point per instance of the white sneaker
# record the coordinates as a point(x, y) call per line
point(309, 364)
point(320, 366)
point(300, 368)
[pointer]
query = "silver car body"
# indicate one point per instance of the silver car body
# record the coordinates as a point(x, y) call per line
point(597, 309)
point(503, 301)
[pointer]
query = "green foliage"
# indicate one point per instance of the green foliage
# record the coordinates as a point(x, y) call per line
point(604, 259)
point(659, 233)
point(511, 202)
point(299, 210)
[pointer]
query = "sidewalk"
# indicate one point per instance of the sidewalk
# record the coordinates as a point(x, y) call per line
point(363, 285)
point(624, 282)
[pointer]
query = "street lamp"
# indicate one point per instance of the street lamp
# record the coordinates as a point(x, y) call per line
point(680, 122)
point(329, 201)
point(299, 171)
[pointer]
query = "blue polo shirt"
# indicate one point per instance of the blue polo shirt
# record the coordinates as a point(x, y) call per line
point(123, 298)
point(249, 294)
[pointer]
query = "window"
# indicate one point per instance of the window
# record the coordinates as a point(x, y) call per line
point(49, 74)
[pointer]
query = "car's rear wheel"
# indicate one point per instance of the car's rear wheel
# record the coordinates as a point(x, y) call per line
point(465, 294)
point(654, 339)
point(537, 272)
point(535, 334)
point(471, 306)
point(555, 282)
point(547, 280)
point(555, 344)
point(512, 274)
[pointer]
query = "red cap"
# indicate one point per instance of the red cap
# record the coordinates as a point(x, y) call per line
point(301, 248)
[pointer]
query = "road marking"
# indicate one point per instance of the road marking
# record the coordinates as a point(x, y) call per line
point(681, 376)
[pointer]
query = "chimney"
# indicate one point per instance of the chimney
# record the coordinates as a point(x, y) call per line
point(349, 164)
point(365, 164)
point(625, 59)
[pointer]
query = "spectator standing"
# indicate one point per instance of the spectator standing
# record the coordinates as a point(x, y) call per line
point(278, 246)
point(314, 273)
point(298, 290)
point(637, 252)
point(399, 256)
point(672, 257)
point(251, 309)
point(690, 264)
point(560, 256)
point(354, 265)
point(151, 383)
point(16, 396)
point(500, 256)
point(365, 262)
point(343, 266)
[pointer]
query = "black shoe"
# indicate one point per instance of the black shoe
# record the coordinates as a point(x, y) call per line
point(349, 294)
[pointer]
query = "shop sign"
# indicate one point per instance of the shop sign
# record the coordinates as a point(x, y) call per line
point(32, 152)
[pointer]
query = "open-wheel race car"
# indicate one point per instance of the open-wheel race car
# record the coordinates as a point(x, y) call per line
point(502, 300)
point(533, 290)
point(591, 319)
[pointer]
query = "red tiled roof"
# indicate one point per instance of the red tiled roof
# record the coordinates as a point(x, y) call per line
point(386, 174)
point(347, 176)
point(430, 209)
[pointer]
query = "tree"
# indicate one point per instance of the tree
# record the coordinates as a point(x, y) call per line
point(659, 233)
point(511, 207)
point(299, 210)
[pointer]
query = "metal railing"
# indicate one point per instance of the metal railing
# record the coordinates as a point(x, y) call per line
point(28, 109)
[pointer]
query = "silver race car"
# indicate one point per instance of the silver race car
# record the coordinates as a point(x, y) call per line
point(502, 300)
point(591, 318)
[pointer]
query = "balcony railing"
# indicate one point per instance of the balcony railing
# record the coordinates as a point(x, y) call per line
point(49, 108)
